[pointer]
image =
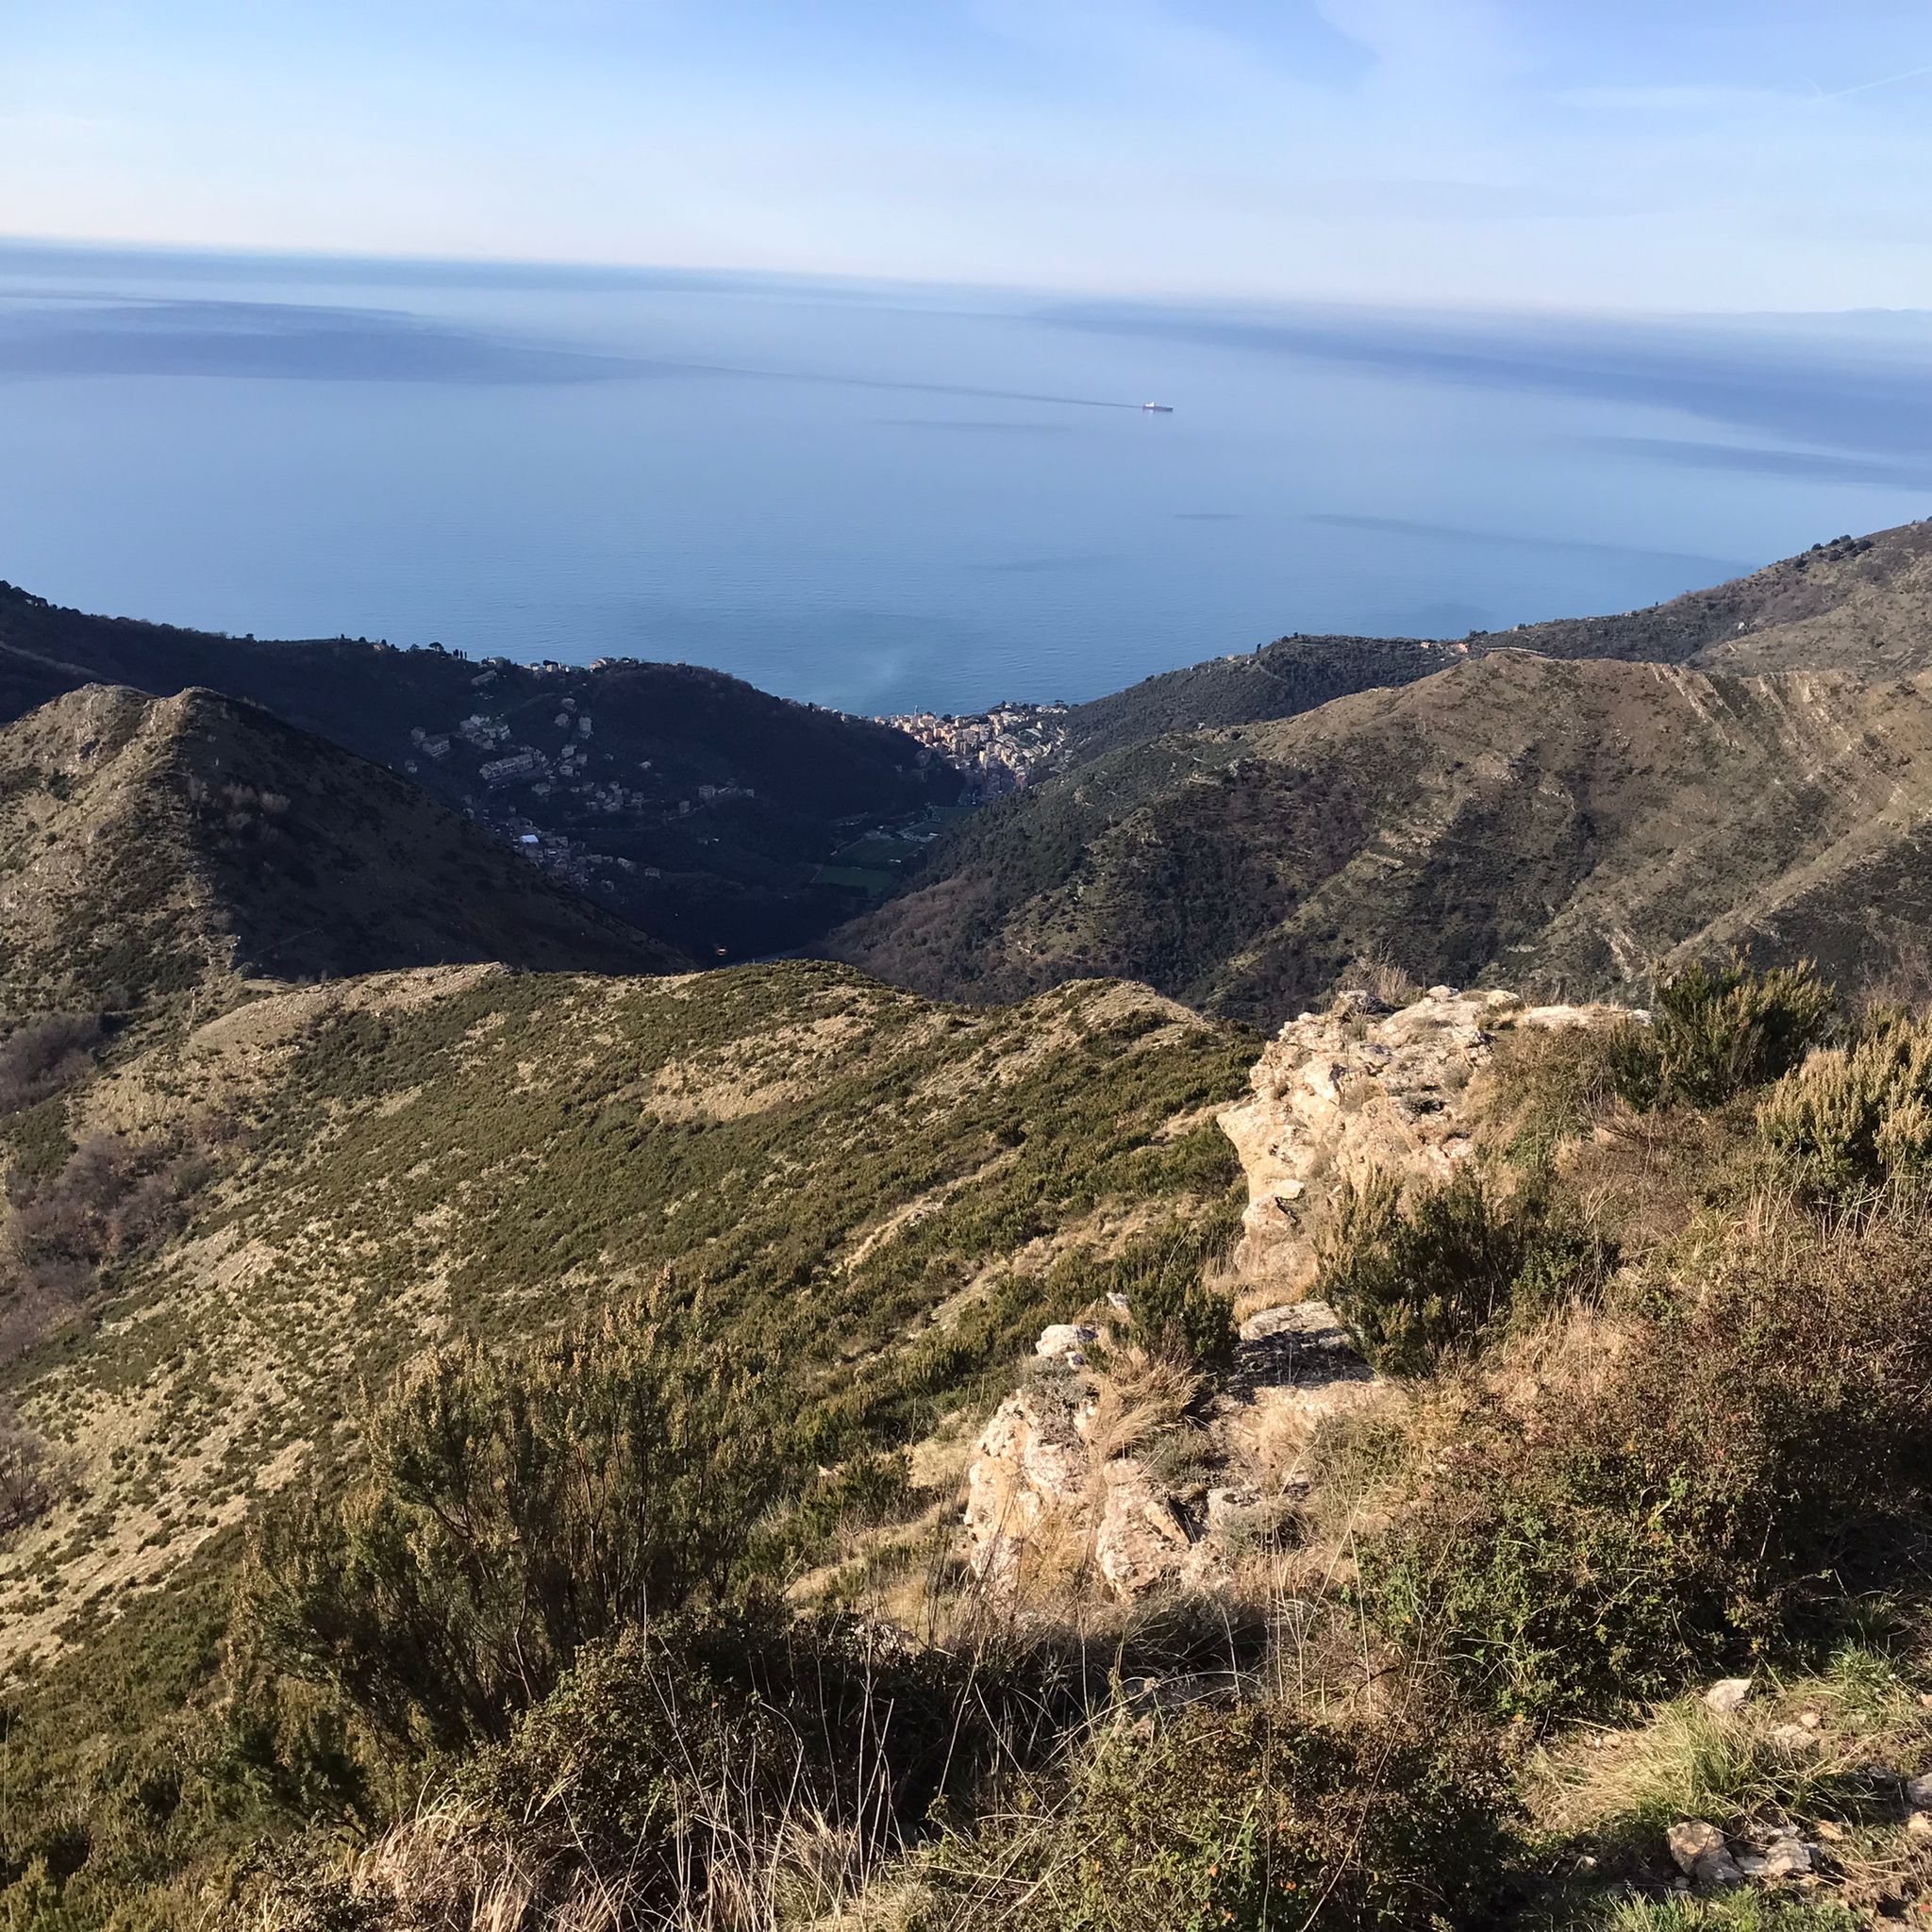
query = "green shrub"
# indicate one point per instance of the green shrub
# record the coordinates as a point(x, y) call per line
point(1177, 1315)
point(871, 1490)
point(127, 1756)
point(1858, 1115)
point(728, 1770)
point(1715, 1032)
point(679, 1759)
point(1444, 1274)
point(1706, 1493)
point(1248, 1818)
point(515, 1510)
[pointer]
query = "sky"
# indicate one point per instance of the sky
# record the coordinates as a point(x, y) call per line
point(1662, 156)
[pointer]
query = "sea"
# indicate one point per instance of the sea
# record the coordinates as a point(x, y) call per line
point(885, 497)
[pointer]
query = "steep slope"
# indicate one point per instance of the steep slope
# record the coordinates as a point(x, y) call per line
point(1854, 604)
point(724, 802)
point(150, 845)
point(1556, 825)
point(1859, 604)
point(880, 1198)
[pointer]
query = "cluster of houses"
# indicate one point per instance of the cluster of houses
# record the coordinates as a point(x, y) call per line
point(999, 751)
point(540, 772)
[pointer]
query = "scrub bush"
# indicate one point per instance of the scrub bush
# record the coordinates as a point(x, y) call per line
point(1716, 1032)
point(1704, 1494)
point(1247, 1819)
point(1445, 1274)
point(514, 1511)
point(1859, 1115)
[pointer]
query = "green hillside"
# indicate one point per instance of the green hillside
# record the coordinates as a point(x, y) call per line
point(682, 800)
point(1861, 603)
point(1279, 680)
point(517, 1486)
point(877, 1199)
point(1857, 604)
point(185, 844)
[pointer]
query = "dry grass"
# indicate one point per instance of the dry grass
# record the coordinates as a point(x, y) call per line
point(1821, 1754)
point(1138, 1396)
point(1376, 971)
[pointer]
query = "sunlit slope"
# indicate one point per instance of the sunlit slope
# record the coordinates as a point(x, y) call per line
point(1541, 824)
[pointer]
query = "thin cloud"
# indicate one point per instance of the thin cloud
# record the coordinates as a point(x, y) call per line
point(1863, 86)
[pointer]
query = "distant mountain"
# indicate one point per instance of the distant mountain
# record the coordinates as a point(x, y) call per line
point(1279, 680)
point(1543, 824)
point(727, 823)
point(707, 812)
point(156, 846)
point(1854, 603)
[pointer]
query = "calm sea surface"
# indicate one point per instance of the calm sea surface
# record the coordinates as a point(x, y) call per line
point(880, 498)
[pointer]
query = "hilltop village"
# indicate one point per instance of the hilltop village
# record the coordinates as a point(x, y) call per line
point(540, 772)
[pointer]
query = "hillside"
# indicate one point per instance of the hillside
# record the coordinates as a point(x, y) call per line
point(1861, 604)
point(875, 1199)
point(156, 846)
point(1279, 680)
point(1546, 824)
point(394, 1544)
point(685, 801)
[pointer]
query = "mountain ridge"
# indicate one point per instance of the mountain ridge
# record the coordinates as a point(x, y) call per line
point(157, 847)
point(1855, 602)
point(684, 800)
point(1559, 825)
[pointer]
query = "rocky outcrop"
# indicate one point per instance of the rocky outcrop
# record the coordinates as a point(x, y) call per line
point(1027, 1481)
point(1341, 1096)
point(1048, 1500)
point(1044, 1498)
point(1300, 1358)
point(1363, 1089)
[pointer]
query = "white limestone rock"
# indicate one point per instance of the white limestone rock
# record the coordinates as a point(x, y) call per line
point(1698, 1850)
point(1029, 1463)
point(1361, 1091)
point(1068, 1340)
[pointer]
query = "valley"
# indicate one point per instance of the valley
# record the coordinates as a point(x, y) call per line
point(678, 799)
point(1318, 1320)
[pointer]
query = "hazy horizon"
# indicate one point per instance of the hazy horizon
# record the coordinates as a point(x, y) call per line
point(885, 499)
point(193, 257)
point(1724, 159)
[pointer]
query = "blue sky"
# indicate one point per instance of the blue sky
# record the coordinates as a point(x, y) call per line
point(1663, 155)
